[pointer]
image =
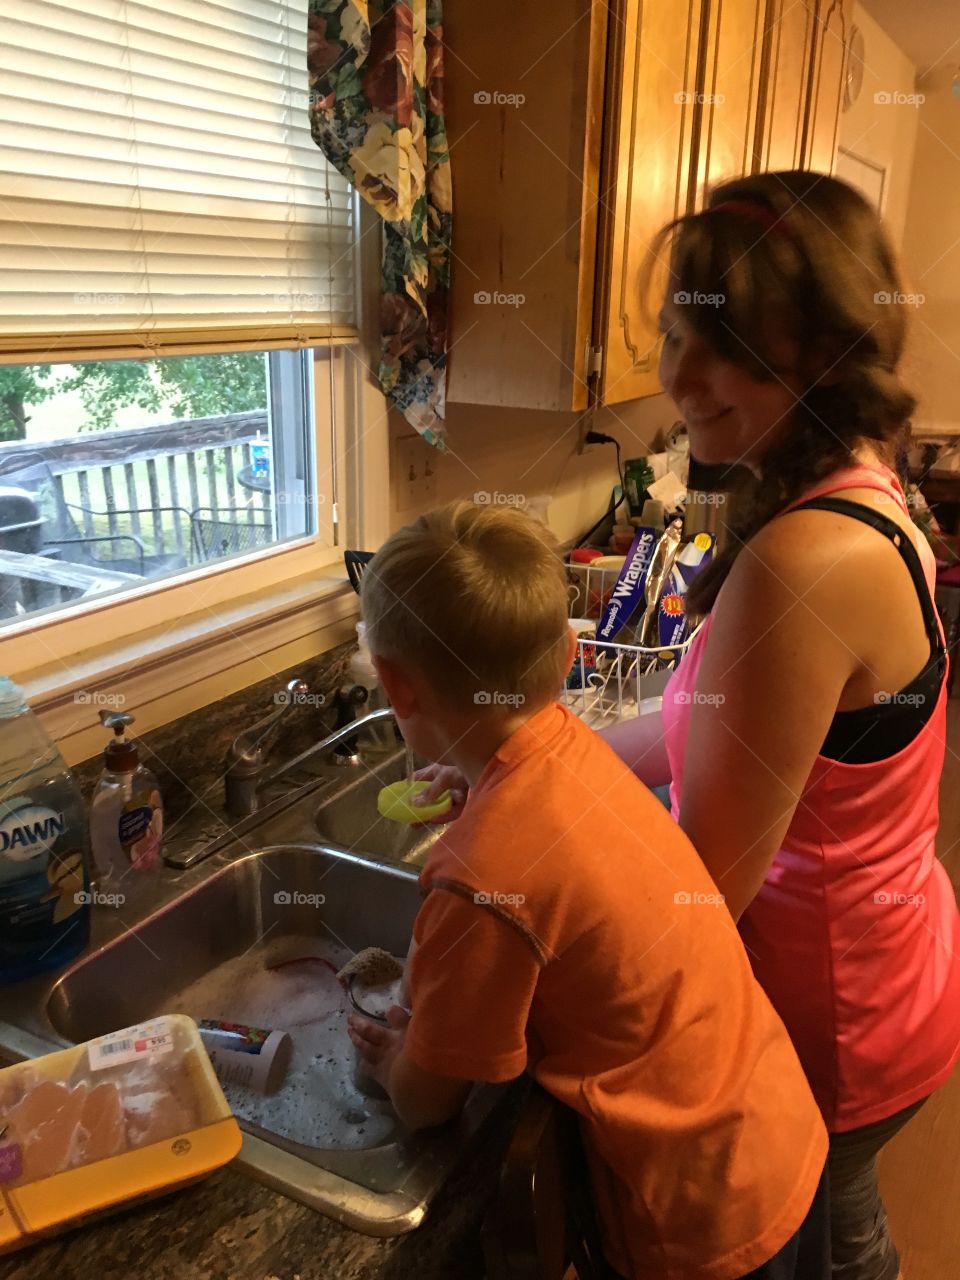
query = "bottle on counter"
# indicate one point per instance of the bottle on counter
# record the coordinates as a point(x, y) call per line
point(44, 855)
point(361, 671)
point(637, 476)
point(126, 813)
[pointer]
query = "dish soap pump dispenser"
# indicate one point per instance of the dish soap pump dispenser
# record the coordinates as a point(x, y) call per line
point(126, 814)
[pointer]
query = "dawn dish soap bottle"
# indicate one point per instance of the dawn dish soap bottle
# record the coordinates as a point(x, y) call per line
point(126, 813)
point(44, 855)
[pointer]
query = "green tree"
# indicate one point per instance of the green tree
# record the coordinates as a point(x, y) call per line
point(193, 386)
point(22, 386)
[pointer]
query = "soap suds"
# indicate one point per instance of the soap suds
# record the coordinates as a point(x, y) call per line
point(317, 1104)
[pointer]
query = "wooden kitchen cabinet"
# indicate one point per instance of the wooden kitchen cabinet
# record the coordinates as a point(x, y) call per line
point(825, 87)
point(651, 117)
point(524, 102)
point(802, 86)
point(734, 68)
point(773, 81)
point(576, 130)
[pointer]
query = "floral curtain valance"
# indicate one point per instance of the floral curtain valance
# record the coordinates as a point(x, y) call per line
point(376, 105)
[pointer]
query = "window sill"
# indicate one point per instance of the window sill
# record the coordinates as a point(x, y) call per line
point(166, 671)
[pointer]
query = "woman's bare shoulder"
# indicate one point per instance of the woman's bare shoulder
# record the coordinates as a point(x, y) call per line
point(791, 554)
point(800, 547)
point(821, 581)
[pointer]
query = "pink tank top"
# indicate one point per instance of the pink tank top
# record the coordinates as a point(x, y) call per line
point(868, 987)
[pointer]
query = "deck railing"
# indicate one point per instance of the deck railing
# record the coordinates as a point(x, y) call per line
point(198, 463)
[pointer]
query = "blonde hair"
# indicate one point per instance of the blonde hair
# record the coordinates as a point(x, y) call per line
point(475, 598)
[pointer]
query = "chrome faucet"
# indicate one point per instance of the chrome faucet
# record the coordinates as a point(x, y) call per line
point(247, 754)
point(247, 772)
point(245, 780)
point(334, 739)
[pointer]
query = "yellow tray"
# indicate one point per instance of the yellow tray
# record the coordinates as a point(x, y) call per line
point(33, 1208)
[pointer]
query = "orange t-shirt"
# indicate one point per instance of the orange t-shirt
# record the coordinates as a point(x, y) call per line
point(569, 924)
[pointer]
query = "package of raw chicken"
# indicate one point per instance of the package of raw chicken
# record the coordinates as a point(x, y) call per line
point(120, 1118)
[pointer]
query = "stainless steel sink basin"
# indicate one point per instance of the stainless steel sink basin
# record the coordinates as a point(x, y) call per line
point(259, 896)
point(251, 904)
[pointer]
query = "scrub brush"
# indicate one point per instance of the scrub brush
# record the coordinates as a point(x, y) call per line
point(374, 967)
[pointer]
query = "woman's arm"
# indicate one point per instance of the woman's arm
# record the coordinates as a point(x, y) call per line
point(770, 680)
point(639, 744)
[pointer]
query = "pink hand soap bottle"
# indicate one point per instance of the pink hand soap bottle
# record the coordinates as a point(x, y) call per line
point(126, 814)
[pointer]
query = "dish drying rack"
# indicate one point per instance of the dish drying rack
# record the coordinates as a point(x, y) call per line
point(619, 679)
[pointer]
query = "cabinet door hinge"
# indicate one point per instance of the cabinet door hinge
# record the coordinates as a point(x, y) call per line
point(594, 361)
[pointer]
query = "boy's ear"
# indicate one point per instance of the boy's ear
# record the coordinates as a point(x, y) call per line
point(571, 649)
point(397, 685)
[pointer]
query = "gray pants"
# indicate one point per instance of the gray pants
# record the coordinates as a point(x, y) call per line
point(860, 1243)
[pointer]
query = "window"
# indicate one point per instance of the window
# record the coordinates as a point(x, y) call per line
point(130, 471)
point(172, 247)
point(177, 281)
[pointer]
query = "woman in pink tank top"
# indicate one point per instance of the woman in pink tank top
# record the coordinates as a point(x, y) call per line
point(803, 733)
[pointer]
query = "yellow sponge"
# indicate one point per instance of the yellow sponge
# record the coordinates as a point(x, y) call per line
point(395, 801)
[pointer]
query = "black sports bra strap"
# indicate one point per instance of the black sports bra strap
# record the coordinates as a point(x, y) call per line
point(890, 529)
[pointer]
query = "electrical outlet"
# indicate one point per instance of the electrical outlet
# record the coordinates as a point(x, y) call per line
point(416, 485)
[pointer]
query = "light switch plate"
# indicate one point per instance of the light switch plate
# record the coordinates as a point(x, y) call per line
point(416, 486)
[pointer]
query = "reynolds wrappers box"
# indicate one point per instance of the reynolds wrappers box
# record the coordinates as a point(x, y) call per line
point(671, 620)
point(631, 584)
point(122, 1118)
point(672, 625)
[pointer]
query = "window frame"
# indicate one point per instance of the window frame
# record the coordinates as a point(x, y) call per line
point(182, 642)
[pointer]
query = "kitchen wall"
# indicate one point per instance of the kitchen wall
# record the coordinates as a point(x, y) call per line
point(916, 141)
point(931, 248)
point(517, 454)
point(882, 134)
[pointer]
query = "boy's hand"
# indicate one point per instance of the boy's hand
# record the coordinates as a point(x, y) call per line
point(443, 777)
point(420, 1098)
point(379, 1045)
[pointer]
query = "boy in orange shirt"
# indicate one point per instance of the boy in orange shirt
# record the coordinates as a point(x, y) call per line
point(569, 926)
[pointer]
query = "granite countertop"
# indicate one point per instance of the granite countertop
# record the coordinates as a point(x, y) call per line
point(229, 1227)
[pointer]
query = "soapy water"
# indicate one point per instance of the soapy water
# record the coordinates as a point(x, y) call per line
point(318, 1103)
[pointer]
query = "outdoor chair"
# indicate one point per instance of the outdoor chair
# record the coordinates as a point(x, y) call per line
point(229, 531)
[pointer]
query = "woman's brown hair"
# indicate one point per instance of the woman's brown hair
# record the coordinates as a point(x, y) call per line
point(801, 263)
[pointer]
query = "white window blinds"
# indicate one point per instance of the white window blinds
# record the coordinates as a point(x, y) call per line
point(159, 188)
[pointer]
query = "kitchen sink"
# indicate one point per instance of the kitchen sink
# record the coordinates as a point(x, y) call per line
point(349, 818)
point(251, 904)
point(325, 872)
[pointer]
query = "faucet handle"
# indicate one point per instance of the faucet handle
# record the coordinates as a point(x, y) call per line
point(250, 746)
point(296, 688)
